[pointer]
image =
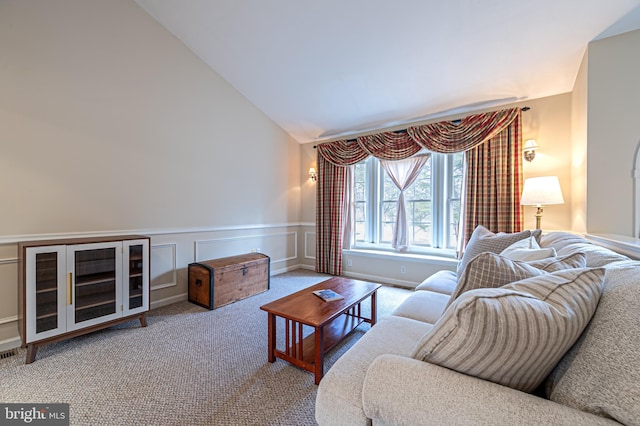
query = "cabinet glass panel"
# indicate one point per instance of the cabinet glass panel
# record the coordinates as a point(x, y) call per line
point(46, 291)
point(95, 283)
point(135, 276)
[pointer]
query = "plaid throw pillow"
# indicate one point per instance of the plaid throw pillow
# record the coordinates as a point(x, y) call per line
point(482, 240)
point(490, 270)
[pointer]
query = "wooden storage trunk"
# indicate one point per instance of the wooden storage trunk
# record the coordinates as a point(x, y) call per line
point(218, 282)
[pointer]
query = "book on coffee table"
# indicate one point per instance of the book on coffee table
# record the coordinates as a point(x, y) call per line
point(327, 295)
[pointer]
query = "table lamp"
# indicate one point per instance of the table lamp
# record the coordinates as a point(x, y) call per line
point(540, 192)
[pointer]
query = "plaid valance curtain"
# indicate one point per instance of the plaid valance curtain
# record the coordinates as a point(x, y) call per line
point(444, 137)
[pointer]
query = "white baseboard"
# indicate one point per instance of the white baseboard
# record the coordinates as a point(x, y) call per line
point(400, 283)
point(168, 300)
point(8, 344)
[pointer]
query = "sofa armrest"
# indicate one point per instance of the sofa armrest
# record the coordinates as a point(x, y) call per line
point(401, 390)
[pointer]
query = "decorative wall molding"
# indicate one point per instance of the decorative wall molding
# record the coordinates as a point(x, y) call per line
point(306, 244)
point(198, 244)
point(8, 261)
point(8, 320)
point(172, 271)
point(13, 239)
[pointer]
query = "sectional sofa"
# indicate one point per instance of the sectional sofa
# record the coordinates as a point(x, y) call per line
point(529, 330)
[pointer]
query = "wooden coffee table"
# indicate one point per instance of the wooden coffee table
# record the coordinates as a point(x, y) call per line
point(331, 321)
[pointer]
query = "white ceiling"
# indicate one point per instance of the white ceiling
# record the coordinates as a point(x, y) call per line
point(328, 68)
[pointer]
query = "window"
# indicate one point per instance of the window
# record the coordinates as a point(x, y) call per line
point(432, 204)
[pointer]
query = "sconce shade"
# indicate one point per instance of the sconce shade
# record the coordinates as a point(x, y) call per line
point(530, 145)
point(529, 149)
point(541, 191)
point(312, 174)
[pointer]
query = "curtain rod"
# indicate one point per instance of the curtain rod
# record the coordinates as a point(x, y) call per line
point(523, 109)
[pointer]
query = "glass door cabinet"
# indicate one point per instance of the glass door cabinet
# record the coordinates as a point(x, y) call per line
point(68, 286)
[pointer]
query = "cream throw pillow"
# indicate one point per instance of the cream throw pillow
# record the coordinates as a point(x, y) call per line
point(527, 250)
point(516, 334)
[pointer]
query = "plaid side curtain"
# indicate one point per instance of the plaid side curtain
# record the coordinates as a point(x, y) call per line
point(493, 184)
point(329, 216)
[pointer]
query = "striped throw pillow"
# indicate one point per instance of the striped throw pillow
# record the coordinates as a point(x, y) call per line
point(516, 334)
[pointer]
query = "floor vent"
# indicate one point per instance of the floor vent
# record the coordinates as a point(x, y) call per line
point(8, 354)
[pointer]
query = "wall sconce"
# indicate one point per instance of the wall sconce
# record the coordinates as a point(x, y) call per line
point(312, 174)
point(529, 149)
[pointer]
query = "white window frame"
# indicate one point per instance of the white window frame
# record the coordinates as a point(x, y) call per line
point(441, 188)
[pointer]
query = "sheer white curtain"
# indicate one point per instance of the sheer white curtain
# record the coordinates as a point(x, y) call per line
point(403, 173)
point(349, 209)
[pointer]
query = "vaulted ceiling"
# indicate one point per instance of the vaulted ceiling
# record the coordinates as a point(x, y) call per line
point(328, 68)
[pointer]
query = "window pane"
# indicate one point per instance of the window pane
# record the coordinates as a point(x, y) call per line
point(454, 201)
point(360, 198)
point(420, 222)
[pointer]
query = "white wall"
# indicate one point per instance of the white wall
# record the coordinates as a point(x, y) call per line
point(108, 123)
point(579, 119)
point(613, 133)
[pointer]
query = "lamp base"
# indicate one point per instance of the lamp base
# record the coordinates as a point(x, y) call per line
point(539, 218)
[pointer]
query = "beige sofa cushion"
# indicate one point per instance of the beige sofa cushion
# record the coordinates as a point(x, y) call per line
point(601, 373)
point(441, 282)
point(514, 335)
point(425, 306)
point(339, 394)
point(482, 240)
point(566, 243)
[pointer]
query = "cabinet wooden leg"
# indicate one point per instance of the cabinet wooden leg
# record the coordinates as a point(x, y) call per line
point(143, 320)
point(31, 353)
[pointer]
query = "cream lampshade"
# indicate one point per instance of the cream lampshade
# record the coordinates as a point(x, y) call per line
point(539, 192)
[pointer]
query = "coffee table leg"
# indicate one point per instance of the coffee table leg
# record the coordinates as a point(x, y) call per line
point(374, 309)
point(319, 354)
point(272, 337)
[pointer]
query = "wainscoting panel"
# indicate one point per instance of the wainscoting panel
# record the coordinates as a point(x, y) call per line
point(280, 247)
point(163, 266)
point(171, 252)
point(9, 299)
point(310, 245)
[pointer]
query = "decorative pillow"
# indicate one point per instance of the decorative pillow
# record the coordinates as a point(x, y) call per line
point(551, 264)
point(537, 234)
point(514, 335)
point(483, 240)
point(527, 250)
point(490, 270)
point(601, 372)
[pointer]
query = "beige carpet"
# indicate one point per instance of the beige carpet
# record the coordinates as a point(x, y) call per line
point(189, 366)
